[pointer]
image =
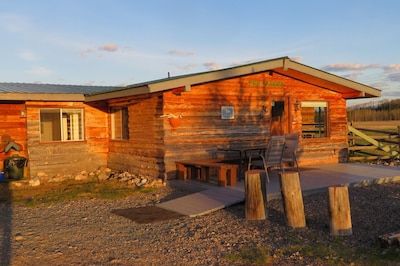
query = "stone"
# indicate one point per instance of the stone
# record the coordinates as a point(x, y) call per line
point(34, 182)
point(81, 177)
point(103, 176)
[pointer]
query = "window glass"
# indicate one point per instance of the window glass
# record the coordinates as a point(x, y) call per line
point(119, 123)
point(61, 124)
point(314, 119)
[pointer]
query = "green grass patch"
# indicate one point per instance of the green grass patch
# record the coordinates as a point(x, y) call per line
point(251, 255)
point(52, 193)
point(335, 253)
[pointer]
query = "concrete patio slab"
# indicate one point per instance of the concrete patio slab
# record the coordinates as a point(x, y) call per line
point(209, 197)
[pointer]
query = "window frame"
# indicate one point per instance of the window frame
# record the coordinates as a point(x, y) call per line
point(315, 133)
point(69, 121)
point(122, 132)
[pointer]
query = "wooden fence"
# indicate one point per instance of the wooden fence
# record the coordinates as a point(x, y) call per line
point(373, 144)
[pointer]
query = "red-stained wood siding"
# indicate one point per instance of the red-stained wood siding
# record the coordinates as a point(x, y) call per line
point(70, 157)
point(13, 125)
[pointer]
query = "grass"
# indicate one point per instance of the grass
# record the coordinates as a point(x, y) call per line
point(252, 255)
point(337, 253)
point(52, 193)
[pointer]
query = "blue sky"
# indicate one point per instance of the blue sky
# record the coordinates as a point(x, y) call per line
point(121, 42)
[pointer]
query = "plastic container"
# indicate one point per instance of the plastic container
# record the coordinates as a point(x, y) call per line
point(2, 178)
point(14, 167)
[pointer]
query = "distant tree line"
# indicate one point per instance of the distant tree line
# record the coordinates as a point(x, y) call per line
point(379, 111)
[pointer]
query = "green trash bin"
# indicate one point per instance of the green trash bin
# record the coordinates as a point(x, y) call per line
point(14, 167)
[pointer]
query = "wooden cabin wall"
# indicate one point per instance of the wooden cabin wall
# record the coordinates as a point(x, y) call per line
point(202, 130)
point(143, 153)
point(68, 157)
point(14, 126)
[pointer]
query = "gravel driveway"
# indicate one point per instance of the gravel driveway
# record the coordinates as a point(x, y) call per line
point(85, 232)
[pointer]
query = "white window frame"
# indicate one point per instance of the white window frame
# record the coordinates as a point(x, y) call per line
point(120, 124)
point(70, 122)
point(314, 133)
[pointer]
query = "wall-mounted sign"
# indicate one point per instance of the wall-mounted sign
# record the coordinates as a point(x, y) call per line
point(266, 83)
point(227, 112)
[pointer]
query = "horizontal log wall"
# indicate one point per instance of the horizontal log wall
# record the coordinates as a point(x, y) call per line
point(70, 157)
point(202, 130)
point(143, 153)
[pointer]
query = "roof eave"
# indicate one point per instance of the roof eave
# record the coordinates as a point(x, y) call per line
point(62, 97)
point(190, 80)
point(283, 63)
point(118, 94)
point(365, 91)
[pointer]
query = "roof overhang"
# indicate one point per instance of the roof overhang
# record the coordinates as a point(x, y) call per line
point(348, 88)
point(284, 66)
point(188, 80)
point(62, 97)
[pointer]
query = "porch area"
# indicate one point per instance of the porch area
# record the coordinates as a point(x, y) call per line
point(207, 197)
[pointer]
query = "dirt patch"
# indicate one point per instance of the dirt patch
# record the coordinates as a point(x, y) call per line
point(146, 215)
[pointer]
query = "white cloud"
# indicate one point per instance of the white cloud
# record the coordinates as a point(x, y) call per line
point(391, 68)
point(297, 58)
point(353, 75)
point(186, 67)
point(28, 56)
point(180, 52)
point(13, 23)
point(394, 77)
point(109, 47)
point(348, 67)
point(39, 71)
point(212, 66)
point(97, 51)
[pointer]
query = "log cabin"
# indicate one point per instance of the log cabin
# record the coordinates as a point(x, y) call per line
point(68, 128)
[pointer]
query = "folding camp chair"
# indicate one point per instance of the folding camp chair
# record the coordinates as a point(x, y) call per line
point(273, 155)
point(289, 153)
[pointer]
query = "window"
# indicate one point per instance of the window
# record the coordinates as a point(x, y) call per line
point(119, 123)
point(61, 124)
point(314, 119)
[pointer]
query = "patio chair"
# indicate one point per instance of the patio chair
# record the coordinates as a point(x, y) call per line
point(273, 155)
point(289, 153)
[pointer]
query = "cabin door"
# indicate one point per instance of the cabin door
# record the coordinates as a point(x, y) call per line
point(279, 116)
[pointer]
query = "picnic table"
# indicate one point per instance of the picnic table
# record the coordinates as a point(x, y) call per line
point(243, 153)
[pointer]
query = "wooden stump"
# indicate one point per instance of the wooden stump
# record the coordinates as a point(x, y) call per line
point(339, 211)
point(292, 199)
point(255, 195)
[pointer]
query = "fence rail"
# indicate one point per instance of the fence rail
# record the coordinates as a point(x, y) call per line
point(363, 145)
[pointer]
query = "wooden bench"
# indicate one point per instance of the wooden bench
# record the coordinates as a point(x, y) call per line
point(200, 169)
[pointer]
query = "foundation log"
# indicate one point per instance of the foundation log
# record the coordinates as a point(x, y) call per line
point(292, 199)
point(339, 211)
point(255, 195)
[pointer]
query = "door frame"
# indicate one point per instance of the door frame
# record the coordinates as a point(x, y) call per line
point(283, 124)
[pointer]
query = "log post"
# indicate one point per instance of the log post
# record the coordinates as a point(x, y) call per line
point(255, 195)
point(339, 211)
point(292, 199)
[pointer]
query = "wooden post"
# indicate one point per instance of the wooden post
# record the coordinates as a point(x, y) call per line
point(339, 211)
point(398, 133)
point(255, 195)
point(292, 199)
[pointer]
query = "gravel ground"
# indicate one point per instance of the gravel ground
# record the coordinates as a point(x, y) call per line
point(85, 232)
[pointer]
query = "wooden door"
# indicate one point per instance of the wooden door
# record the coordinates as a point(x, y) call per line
point(279, 116)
